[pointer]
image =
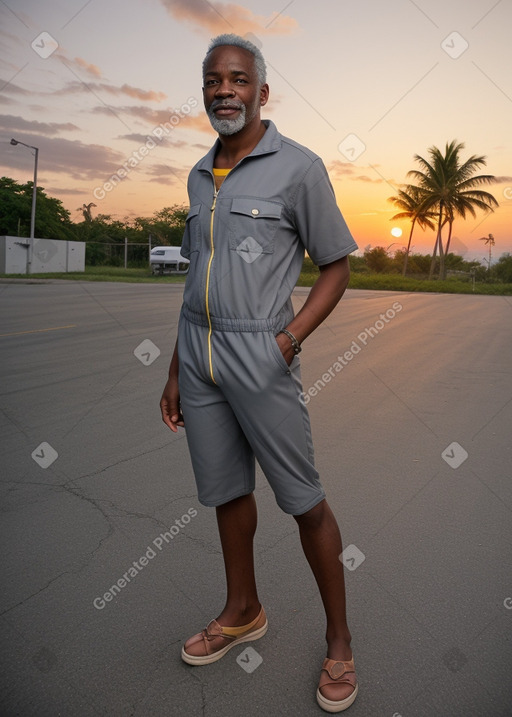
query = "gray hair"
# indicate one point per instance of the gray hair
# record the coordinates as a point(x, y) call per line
point(237, 41)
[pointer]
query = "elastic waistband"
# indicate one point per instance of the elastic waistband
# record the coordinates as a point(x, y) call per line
point(221, 324)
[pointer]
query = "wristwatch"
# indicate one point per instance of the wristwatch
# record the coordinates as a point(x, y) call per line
point(297, 348)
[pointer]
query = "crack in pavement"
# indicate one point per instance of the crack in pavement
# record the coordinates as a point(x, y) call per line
point(129, 458)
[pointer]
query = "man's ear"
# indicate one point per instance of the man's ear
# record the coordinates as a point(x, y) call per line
point(264, 95)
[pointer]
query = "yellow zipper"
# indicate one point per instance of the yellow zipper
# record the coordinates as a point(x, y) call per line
point(212, 247)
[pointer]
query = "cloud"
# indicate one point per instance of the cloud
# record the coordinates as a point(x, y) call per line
point(142, 139)
point(18, 124)
point(338, 169)
point(16, 37)
point(8, 86)
point(153, 118)
point(165, 174)
point(134, 137)
point(81, 161)
point(137, 93)
point(78, 63)
point(66, 190)
point(143, 95)
point(364, 178)
point(91, 69)
point(91, 163)
point(159, 170)
point(164, 180)
point(219, 17)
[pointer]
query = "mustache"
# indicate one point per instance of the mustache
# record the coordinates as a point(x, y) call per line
point(223, 104)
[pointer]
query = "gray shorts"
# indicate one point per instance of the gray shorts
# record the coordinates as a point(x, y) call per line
point(253, 410)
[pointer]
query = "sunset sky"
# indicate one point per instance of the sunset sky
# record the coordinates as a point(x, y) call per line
point(394, 77)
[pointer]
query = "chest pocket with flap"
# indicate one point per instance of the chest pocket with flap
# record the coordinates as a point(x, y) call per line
point(253, 224)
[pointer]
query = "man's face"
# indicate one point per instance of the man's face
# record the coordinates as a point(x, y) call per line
point(232, 92)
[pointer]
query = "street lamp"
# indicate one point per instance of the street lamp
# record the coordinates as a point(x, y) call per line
point(34, 195)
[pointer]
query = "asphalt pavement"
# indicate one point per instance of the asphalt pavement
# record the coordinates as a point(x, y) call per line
point(109, 562)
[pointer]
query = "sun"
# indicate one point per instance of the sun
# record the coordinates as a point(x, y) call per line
point(396, 232)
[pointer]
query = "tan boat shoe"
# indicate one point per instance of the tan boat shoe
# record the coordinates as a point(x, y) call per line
point(215, 640)
point(338, 686)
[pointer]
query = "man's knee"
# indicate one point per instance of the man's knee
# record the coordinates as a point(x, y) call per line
point(240, 502)
point(314, 517)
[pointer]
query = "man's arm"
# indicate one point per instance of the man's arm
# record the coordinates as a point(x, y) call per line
point(323, 297)
point(170, 401)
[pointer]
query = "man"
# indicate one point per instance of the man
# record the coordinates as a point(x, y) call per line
point(257, 199)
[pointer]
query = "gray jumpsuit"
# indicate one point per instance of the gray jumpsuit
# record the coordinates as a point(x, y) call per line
point(239, 398)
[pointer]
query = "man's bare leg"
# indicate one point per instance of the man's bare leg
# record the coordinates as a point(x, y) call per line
point(321, 541)
point(237, 522)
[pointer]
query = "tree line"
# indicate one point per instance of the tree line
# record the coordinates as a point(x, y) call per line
point(447, 187)
point(379, 261)
point(104, 236)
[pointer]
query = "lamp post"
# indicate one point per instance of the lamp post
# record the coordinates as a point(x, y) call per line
point(34, 195)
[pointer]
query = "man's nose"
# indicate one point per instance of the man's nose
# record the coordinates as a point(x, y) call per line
point(224, 89)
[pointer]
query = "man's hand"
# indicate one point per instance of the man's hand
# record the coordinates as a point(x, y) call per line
point(170, 401)
point(286, 348)
point(170, 405)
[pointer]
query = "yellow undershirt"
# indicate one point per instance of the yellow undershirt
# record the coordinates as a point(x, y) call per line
point(220, 175)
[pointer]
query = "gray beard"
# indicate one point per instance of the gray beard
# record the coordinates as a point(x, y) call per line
point(228, 126)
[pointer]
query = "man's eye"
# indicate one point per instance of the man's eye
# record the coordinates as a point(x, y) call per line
point(239, 79)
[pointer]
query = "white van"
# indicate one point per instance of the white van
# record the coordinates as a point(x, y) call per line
point(168, 259)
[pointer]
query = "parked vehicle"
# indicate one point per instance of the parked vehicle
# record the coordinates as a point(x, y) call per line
point(168, 259)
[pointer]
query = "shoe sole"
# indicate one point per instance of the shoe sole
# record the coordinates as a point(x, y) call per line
point(340, 706)
point(208, 659)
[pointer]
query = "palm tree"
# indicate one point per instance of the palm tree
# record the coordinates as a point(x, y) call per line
point(450, 188)
point(86, 211)
point(410, 203)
